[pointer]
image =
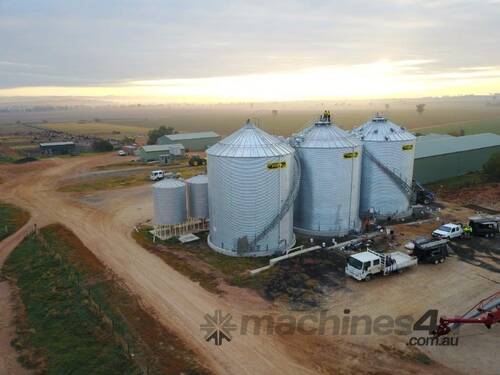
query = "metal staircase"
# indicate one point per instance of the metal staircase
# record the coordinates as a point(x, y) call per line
point(406, 188)
point(287, 205)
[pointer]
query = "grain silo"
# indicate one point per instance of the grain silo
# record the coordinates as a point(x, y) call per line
point(387, 172)
point(252, 183)
point(169, 202)
point(197, 188)
point(328, 199)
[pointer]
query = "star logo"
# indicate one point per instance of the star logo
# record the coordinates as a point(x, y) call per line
point(218, 327)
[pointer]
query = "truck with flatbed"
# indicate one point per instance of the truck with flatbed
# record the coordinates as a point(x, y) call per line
point(362, 266)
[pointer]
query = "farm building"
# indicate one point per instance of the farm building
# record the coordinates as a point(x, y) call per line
point(57, 148)
point(439, 156)
point(191, 141)
point(158, 152)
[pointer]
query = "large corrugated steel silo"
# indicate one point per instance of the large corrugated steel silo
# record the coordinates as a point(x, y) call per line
point(197, 188)
point(169, 201)
point(328, 199)
point(387, 172)
point(251, 187)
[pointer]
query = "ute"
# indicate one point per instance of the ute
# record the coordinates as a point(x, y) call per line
point(157, 175)
point(363, 265)
point(449, 231)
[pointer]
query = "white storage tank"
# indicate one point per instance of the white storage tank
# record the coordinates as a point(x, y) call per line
point(387, 172)
point(197, 188)
point(328, 199)
point(251, 186)
point(169, 201)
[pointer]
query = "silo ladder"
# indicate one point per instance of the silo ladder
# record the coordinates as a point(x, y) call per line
point(287, 205)
point(406, 188)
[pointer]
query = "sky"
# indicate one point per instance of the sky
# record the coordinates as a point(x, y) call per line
point(224, 51)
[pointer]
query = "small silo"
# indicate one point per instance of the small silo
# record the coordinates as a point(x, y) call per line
point(169, 201)
point(387, 172)
point(252, 183)
point(328, 199)
point(197, 188)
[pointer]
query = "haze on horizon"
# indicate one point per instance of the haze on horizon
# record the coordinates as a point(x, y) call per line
point(199, 51)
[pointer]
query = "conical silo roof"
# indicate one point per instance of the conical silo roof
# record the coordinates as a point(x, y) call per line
point(381, 129)
point(250, 142)
point(169, 183)
point(325, 135)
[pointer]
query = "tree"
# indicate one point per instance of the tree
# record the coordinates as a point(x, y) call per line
point(274, 112)
point(387, 106)
point(102, 146)
point(492, 167)
point(128, 140)
point(420, 108)
point(154, 134)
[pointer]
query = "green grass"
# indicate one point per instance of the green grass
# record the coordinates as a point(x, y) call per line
point(469, 127)
point(59, 332)
point(11, 219)
point(60, 325)
point(467, 180)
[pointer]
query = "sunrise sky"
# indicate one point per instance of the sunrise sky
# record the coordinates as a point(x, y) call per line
point(213, 51)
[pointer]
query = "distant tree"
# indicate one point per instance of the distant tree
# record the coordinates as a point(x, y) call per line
point(128, 140)
point(274, 112)
point(102, 145)
point(154, 134)
point(462, 132)
point(420, 108)
point(387, 106)
point(492, 167)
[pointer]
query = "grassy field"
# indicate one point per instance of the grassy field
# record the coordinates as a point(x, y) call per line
point(75, 317)
point(11, 219)
point(105, 183)
point(97, 128)
point(469, 127)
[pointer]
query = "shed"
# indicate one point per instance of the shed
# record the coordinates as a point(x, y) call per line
point(438, 158)
point(57, 148)
point(153, 152)
point(191, 141)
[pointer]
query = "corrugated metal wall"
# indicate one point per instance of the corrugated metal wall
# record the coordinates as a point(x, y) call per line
point(435, 168)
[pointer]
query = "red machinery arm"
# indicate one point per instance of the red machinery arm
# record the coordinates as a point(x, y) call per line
point(488, 318)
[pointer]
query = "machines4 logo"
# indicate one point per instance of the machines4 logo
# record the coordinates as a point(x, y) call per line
point(218, 327)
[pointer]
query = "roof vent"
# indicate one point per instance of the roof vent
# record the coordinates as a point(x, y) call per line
point(376, 131)
point(386, 138)
point(392, 130)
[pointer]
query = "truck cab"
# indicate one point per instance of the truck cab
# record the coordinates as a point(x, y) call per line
point(449, 231)
point(431, 250)
point(483, 226)
point(362, 265)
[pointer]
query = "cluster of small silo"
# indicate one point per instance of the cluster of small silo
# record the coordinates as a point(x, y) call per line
point(176, 200)
point(387, 174)
point(328, 199)
point(251, 181)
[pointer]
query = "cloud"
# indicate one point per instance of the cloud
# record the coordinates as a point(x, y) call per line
point(60, 43)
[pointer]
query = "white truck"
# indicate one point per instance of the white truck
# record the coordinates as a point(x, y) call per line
point(449, 231)
point(363, 265)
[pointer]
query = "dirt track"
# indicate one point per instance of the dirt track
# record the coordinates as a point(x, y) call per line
point(103, 222)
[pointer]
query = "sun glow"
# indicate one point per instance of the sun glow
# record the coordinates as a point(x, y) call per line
point(385, 78)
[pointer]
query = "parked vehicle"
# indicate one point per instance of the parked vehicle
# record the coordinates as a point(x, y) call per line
point(122, 153)
point(431, 250)
point(482, 226)
point(363, 265)
point(424, 196)
point(157, 175)
point(197, 160)
point(449, 231)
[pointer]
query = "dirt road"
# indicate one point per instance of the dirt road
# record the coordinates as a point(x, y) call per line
point(103, 221)
point(176, 301)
